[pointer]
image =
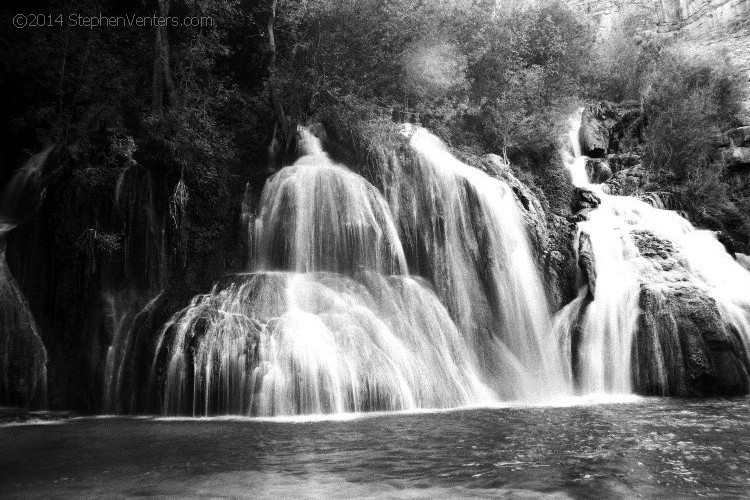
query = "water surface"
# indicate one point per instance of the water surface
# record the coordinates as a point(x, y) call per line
point(650, 448)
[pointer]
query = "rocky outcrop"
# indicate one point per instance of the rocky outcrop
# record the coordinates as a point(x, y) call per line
point(594, 132)
point(700, 16)
point(608, 128)
point(23, 357)
point(629, 181)
point(698, 27)
point(587, 261)
point(683, 345)
point(598, 170)
point(622, 161)
point(584, 200)
point(738, 137)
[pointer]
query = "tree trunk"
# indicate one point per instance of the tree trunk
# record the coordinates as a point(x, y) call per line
point(275, 99)
point(162, 85)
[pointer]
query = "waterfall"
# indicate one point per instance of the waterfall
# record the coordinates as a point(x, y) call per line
point(320, 216)
point(468, 234)
point(23, 356)
point(337, 314)
point(632, 252)
point(329, 320)
point(284, 343)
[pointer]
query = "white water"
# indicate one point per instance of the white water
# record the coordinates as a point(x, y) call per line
point(277, 343)
point(330, 321)
point(320, 216)
point(609, 322)
point(475, 247)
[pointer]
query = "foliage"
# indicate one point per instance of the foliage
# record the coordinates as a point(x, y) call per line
point(688, 102)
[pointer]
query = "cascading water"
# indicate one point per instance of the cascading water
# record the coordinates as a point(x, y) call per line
point(330, 321)
point(145, 263)
point(280, 343)
point(23, 357)
point(320, 216)
point(631, 251)
point(468, 236)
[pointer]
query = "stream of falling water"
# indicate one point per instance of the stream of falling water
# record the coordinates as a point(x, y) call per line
point(609, 321)
point(330, 320)
point(23, 357)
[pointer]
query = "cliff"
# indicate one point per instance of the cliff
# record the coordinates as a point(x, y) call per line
point(696, 26)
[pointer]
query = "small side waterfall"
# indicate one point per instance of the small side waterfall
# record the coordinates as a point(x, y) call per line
point(23, 357)
point(646, 267)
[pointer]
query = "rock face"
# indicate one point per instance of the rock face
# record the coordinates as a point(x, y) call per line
point(608, 128)
point(739, 136)
point(23, 357)
point(598, 170)
point(594, 133)
point(683, 346)
point(584, 199)
point(697, 26)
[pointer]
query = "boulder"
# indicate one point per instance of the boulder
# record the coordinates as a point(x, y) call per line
point(610, 128)
point(587, 261)
point(621, 161)
point(626, 182)
point(584, 199)
point(594, 133)
point(597, 170)
point(683, 346)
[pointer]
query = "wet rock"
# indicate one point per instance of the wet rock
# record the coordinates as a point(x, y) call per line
point(594, 133)
point(587, 261)
point(627, 182)
point(739, 136)
point(584, 199)
point(609, 128)
point(621, 161)
point(598, 170)
point(683, 346)
point(23, 357)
